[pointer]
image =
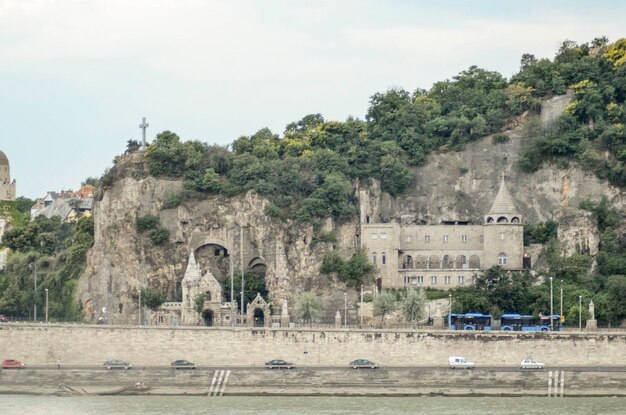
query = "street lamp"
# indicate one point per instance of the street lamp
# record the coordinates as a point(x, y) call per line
point(551, 307)
point(34, 266)
point(345, 308)
point(361, 304)
point(561, 314)
point(46, 305)
point(450, 313)
point(580, 313)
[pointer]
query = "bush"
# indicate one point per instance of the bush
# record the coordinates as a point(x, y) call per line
point(500, 138)
point(159, 236)
point(146, 223)
point(172, 201)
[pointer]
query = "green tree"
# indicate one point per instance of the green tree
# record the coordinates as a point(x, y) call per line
point(384, 304)
point(152, 298)
point(413, 305)
point(198, 303)
point(308, 307)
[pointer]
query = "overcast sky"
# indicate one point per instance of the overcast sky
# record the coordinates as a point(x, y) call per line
point(77, 76)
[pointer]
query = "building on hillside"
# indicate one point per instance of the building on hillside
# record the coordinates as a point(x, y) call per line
point(7, 187)
point(68, 205)
point(201, 290)
point(445, 255)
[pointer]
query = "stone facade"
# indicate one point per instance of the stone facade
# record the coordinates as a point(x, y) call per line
point(444, 255)
point(7, 187)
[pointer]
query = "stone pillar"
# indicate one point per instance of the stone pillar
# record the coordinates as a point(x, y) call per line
point(284, 316)
point(438, 322)
point(338, 320)
point(591, 325)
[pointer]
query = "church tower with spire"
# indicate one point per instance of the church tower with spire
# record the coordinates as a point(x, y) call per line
point(7, 187)
point(503, 232)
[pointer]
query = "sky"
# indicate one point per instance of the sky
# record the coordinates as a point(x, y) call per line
point(77, 76)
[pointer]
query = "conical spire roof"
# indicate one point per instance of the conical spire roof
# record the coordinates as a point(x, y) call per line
point(192, 273)
point(503, 202)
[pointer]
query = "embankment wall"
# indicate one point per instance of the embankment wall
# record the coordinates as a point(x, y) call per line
point(39, 344)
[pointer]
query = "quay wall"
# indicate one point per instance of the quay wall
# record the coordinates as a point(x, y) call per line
point(43, 344)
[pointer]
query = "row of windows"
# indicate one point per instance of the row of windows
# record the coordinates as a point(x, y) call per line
point(433, 261)
point(446, 238)
point(447, 280)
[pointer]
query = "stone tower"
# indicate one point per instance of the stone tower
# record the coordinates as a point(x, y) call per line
point(194, 284)
point(7, 188)
point(503, 233)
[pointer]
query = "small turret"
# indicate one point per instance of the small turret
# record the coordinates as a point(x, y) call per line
point(503, 210)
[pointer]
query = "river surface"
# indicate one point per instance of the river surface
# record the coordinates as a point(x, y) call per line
point(192, 405)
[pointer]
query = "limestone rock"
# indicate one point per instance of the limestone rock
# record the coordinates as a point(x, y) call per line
point(578, 234)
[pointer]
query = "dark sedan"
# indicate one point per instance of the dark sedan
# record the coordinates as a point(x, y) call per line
point(182, 364)
point(363, 363)
point(279, 364)
point(117, 364)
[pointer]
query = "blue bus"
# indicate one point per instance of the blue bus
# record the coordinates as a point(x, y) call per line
point(469, 321)
point(520, 322)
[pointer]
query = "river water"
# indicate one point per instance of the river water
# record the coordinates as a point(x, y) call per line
point(192, 405)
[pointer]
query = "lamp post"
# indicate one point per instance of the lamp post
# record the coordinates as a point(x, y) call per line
point(46, 305)
point(345, 308)
point(242, 270)
point(34, 266)
point(551, 307)
point(361, 304)
point(139, 311)
point(580, 313)
point(450, 313)
point(561, 313)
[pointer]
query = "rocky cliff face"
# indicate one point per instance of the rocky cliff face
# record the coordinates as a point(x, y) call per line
point(235, 230)
point(452, 185)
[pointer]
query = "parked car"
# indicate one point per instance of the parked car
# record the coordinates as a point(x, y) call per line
point(12, 364)
point(279, 364)
point(460, 362)
point(182, 364)
point(3, 318)
point(363, 363)
point(530, 363)
point(117, 364)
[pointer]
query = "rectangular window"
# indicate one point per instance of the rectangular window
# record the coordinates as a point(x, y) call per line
point(461, 280)
point(445, 239)
point(502, 236)
point(446, 280)
point(433, 280)
point(463, 238)
point(427, 239)
point(420, 280)
point(408, 238)
point(374, 235)
point(383, 236)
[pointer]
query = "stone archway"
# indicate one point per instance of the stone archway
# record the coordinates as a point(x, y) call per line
point(208, 318)
point(258, 308)
point(259, 317)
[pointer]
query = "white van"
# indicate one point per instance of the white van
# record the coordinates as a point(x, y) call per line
point(460, 362)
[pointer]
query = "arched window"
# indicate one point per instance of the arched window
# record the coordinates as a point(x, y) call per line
point(374, 258)
point(447, 263)
point(408, 262)
point(421, 262)
point(514, 219)
point(433, 262)
point(207, 295)
point(383, 259)
point(502, 258)
point(503, 219)
point(489, 219)
point(474, 262)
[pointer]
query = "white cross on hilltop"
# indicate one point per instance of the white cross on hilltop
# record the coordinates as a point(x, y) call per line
point(143, 126)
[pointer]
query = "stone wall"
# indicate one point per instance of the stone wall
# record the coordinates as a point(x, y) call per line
point(91, 345)
point(306, 381)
